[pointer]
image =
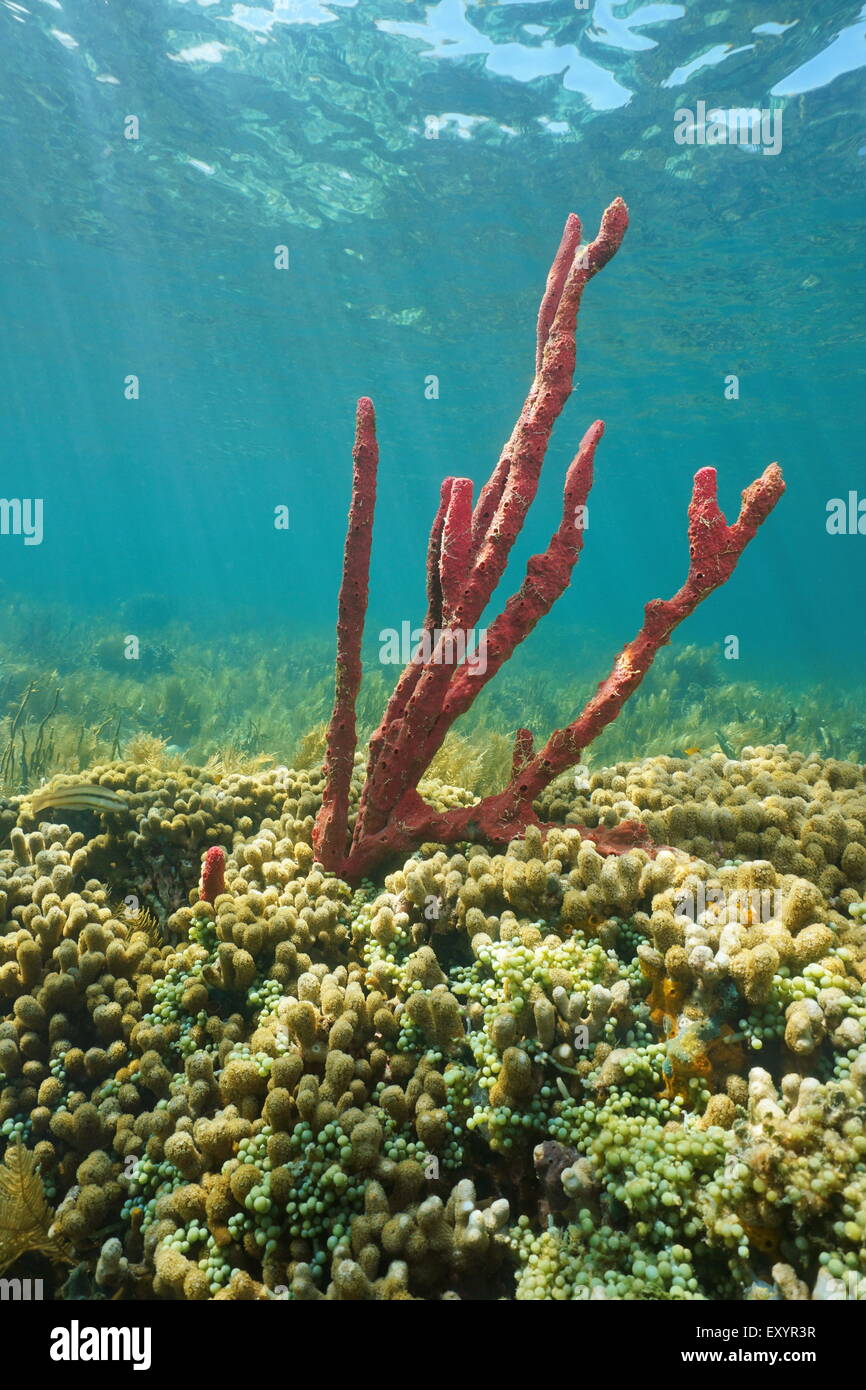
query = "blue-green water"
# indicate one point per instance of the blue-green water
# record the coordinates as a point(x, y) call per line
point(644, 1079)
point(310, 126)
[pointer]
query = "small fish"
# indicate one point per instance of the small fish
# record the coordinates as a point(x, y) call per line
point(80, 796)
point(550, 1160)
point(764, 1238)
point(690, 751)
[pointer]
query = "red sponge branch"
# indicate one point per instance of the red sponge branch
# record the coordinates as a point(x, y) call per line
point(467, 555)
point(497, 521)
point(332, 824)
point(456, 549)
point(522, 751)
point(714, 549)
point(547, 577)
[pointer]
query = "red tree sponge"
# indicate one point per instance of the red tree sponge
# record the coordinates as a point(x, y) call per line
point(213, 875)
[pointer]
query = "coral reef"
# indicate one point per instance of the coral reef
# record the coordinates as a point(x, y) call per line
point(524, 1072)
point(467, 557)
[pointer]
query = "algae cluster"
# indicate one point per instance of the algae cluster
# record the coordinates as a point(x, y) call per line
point(533, 1073)
point(85, 695)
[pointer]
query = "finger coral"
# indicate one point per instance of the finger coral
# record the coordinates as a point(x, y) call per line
point(502, 1071)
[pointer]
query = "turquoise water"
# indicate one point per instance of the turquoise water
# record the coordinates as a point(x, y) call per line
point(418, 162)
point(220, 224)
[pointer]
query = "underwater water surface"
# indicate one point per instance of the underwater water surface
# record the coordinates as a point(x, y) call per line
point(220, 225)
point(307, 126)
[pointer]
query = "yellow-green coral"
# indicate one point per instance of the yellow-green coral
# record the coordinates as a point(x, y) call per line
point(303, 1091)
